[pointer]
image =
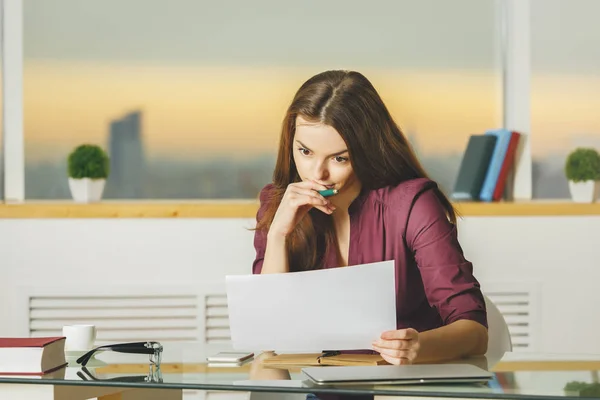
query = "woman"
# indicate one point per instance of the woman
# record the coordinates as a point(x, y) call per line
point(338, 134)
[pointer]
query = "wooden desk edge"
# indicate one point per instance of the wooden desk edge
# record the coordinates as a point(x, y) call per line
point(248, 208)
point(506, 366)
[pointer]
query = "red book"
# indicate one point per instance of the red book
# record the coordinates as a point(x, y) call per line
point(507, 165)
point(31, 356)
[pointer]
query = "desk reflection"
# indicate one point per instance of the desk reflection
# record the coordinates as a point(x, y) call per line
point(260, 372)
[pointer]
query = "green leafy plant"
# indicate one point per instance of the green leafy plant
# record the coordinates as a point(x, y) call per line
point(583, 389)
point(88, 161)
point(583, 164)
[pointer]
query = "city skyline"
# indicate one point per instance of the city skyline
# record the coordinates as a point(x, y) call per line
point(222, 179)
point(133, 175)
point(172, 118)
point(198, 111)
point(188, 110)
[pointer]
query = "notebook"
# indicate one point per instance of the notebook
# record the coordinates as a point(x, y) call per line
point(473, 167)
point(323, 359)
point(501, 156)
point(397, 374)
point(507, 166)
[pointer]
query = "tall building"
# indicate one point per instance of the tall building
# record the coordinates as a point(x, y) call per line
point(127, 161)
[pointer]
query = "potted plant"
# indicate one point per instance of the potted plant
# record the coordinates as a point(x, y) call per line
point(582, 389)
point(88, 168)
point(582, 169)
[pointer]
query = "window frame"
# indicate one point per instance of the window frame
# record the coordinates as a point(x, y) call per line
point(513, 61)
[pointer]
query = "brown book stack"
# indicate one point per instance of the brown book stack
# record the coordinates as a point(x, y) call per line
point(31, 356)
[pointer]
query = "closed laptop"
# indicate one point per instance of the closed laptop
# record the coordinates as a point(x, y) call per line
point(397, 374)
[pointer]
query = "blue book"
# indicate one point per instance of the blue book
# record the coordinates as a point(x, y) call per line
point(491, 178)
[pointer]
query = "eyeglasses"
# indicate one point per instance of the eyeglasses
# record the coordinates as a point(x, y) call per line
point(154, 376)
point(153, 349)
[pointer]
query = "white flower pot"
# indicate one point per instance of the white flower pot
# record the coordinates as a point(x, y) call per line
point(584, 192)
point(86, 190)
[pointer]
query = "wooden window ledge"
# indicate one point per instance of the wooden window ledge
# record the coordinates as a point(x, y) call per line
point(248, 208)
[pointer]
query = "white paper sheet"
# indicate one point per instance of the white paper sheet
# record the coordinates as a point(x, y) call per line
point(331, 309)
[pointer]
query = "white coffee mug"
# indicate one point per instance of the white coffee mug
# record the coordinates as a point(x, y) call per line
point(79, 337)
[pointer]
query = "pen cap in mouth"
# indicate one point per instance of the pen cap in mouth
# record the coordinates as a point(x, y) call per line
point(328, 192)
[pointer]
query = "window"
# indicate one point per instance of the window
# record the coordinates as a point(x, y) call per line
point(565, 87)
point(188, 96)
point(1, 119)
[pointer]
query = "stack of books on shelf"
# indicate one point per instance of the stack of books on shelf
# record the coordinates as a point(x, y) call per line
point(485, 166)
point(32, 356)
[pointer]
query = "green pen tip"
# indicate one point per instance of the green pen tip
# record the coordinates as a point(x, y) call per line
point(328, 192)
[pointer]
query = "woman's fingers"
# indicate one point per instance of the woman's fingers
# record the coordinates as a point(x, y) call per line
point(403, 334)
point(297, 200)
point(312, 185)
point(396, 344)
point(396, 361)
point(300, 197)
point(307, 192)
point(408, 354)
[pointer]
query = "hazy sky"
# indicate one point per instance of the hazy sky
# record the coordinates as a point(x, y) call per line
point(385, 33)
point(218, 75)
point(391, 33)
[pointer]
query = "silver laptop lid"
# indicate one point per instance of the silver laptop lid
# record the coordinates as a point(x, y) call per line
point(398, 373)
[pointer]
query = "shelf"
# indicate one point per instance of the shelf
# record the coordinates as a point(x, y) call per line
point(247, 209)
point(132, 209)
point(539, 208)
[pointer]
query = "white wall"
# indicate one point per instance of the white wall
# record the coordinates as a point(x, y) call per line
point(559, 256)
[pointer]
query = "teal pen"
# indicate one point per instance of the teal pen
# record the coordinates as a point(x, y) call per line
point(328, 192)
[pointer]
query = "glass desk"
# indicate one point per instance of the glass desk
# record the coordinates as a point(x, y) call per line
point(516, 376)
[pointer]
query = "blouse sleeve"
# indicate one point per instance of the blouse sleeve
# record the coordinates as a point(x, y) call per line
point(447, 276)
point(260, 236)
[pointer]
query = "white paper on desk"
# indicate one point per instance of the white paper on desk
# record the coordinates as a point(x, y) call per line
point(330, 309)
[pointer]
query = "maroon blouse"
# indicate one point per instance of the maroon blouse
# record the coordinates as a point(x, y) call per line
point(407, 223)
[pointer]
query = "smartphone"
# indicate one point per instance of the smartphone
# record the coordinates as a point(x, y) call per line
point(229, 357)
point(227, 364)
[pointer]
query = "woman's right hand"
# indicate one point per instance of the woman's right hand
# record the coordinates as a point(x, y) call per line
point(297, 200)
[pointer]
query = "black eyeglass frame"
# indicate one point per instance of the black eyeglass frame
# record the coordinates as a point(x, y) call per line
point(154, 376)
point(153, 349)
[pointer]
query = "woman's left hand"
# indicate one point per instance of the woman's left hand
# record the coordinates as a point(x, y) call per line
point(398, 347)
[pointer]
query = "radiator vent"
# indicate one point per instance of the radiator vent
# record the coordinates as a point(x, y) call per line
point(216, 319)
point(118, 318)
point(516, 308)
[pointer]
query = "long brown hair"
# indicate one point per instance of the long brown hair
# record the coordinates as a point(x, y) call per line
point(379, 154)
